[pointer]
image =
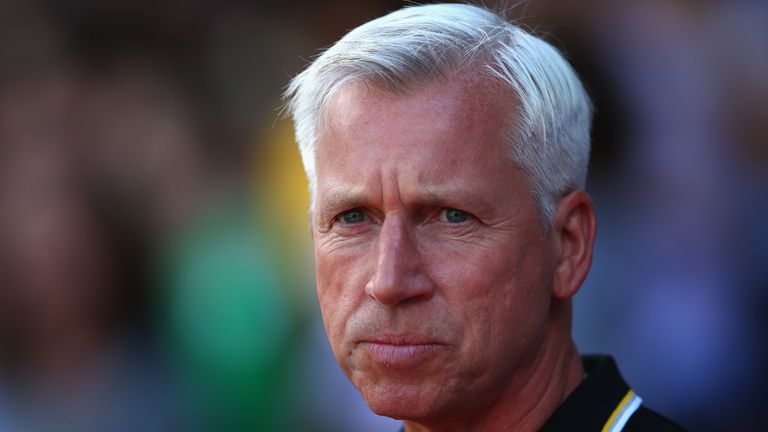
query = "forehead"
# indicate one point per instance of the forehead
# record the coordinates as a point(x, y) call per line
point(455, 121)
point(462, 96)
point(442, 146)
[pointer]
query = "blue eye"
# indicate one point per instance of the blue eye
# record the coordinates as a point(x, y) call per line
point(451, 215)
point(352, 216)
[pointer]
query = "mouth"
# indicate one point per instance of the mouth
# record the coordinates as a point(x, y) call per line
point(400, 351)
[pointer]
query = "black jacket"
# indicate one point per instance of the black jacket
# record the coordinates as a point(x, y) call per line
point(604, 402)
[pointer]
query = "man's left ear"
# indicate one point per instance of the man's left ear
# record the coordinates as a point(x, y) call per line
point(574, 230)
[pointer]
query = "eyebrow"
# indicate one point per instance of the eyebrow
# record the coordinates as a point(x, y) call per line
point(340, 198)
point(451, 196)
point(343, 197)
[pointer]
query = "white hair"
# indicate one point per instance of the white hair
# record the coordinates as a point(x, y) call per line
point(549, 132)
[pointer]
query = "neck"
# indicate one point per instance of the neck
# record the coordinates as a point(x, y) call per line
point(541, 385)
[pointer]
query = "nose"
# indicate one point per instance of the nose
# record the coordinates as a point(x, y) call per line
point(399, 274)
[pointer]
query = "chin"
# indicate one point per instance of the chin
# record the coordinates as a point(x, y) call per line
point(399, 401)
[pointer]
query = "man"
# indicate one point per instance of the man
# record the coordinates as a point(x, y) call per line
point(446, 152)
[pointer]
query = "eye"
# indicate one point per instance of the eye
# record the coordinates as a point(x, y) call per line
point(352, 216)
point(454, 216)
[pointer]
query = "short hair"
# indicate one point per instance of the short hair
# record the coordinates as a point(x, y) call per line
point(548, 132)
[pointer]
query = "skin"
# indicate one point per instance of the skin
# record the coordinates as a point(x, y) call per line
point(445, 300)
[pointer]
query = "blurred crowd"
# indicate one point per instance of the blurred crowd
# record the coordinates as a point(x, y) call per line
point(155, 260)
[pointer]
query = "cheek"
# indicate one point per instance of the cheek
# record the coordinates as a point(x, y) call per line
point(341, 282)
point(502, 299)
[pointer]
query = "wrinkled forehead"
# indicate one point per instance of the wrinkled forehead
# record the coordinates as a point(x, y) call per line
point(445, 136)
point(472, 96)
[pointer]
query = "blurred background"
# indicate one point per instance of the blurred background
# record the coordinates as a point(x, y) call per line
point(155, 264)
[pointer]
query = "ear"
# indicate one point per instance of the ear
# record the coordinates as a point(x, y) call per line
point(574, 231)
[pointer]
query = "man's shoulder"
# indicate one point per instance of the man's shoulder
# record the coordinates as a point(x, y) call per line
point(648, 420)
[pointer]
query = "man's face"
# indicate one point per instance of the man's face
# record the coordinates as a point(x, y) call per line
point(433, 270)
